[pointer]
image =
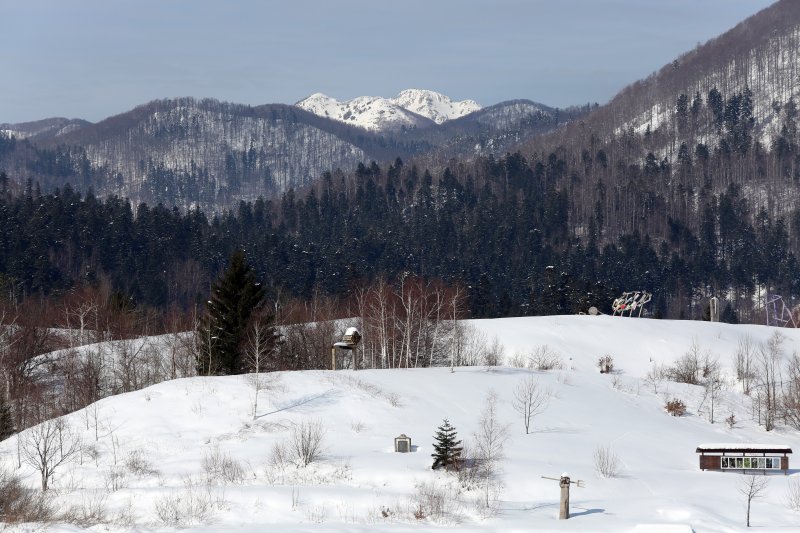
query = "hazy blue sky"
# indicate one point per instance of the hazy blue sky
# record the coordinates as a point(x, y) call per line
point(95, 58)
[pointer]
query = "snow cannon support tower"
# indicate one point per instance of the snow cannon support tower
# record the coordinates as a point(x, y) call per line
point(778, 313)
point(630, 302)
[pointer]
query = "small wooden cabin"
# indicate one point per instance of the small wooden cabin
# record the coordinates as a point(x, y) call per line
point(744, 458)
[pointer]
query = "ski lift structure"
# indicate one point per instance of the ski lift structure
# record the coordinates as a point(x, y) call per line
point(778, 313)
point(630, 302)
point(713, 309)
point(349, 342)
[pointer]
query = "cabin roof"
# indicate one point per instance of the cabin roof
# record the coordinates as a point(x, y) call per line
point(744, 447)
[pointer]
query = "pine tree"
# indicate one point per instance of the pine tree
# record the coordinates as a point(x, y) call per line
point(234, 297)
point(448, 451)
point(6, 422)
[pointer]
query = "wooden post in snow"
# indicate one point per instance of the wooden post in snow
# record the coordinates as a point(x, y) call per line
point(564, 482)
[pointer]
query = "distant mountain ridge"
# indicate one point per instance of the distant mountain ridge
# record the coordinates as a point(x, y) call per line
point(412, 108)
point(189, 152)
point(43, 129)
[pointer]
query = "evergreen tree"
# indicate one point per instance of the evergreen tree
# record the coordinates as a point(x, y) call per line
point(234, 297)
point(6, 422)
point(447, 450)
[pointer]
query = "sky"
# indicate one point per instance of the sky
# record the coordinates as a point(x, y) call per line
point(92, 59)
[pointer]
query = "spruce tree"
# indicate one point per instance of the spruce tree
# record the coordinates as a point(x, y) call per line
point(234, 297)
point(447, 450)
point(6, 422)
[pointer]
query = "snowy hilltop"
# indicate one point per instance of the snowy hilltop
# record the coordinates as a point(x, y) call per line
point(317, 448)
point(410, 108)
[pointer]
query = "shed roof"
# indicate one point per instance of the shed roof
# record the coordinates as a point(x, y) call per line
point(744, 447)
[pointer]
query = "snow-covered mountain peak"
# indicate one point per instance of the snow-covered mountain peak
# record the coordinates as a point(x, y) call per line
point(436, 106)
point(410, 108)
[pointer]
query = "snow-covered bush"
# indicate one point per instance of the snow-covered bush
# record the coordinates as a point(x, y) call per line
point(139, 465)
point(675, 407)
point(495, 353)
point(436, 501)
point(518, 360)
point(20, 504)
point(544, 358)
point(191, 506)
point(91, 511)
point(306, 444)
point(686, 369)
point(606, 364)
point(221, 467)
point(792, 497)
point(115, 479)
point(606, 462)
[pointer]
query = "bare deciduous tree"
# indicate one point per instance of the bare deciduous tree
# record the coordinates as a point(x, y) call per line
point(530, 399)
point(790, 400)
point(19, 504)
point(768, 376)
point(713, 388)
point(745, 353)
point(260, 343)
point(752, 487)
point(48, 446)
point(490, 440)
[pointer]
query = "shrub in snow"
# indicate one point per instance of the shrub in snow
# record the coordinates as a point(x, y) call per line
point(90, 512)
point(686, 370)
point(20, 504)
point(435, 501)
point(187, 507)
point(606, 364)
point(544, 359)
point(115, 479)
point(675, 407)
point(495, 353)
point(139, 465)
point(606, 462)
point(305, 444)
point(792, 497)
point(518, 360)
point(220, 466)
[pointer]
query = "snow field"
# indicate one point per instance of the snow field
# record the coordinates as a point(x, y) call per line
point(152, 444)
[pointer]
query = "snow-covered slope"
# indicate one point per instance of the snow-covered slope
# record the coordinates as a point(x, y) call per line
point(436, 106)
point(759, 55)
point(146, 450)
point(410, 108)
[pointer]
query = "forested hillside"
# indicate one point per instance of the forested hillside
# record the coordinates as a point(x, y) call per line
point(209, 154)
point(502, 229)
point(694, 205)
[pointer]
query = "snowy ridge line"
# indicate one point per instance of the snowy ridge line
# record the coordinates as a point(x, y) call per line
point(409, 109)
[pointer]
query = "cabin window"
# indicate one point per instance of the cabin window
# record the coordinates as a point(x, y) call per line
point(751, 463)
